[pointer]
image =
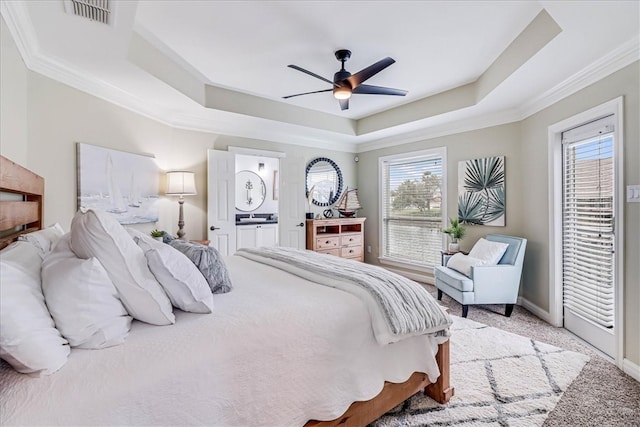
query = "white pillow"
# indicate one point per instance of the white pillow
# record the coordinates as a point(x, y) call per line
point(182, 281)
point(44, 240)
point(82, 299)
point(488, 251)
point(97, 234)
point(463, 263)
point(29, 340)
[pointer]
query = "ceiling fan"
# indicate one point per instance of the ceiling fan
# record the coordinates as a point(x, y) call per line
point(345, 84)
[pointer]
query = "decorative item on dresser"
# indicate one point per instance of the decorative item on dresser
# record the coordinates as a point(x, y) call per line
point(181, 183)
point(343, 237)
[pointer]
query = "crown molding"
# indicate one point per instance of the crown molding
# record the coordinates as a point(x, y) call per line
point(23, 32)
point(21, 28)
point(444, 129)
point(227, 127)
point(624, 55)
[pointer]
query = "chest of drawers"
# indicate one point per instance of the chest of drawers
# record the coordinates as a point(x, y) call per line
point(343, 237)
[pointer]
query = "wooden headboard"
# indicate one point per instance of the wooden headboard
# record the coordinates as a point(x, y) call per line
point(19, 216)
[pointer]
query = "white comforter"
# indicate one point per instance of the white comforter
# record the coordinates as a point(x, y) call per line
point(276, 351)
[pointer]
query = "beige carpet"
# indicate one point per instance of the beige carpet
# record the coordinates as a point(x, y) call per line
point(500, 379)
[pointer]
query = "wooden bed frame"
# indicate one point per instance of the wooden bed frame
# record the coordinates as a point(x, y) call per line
point(19, 217)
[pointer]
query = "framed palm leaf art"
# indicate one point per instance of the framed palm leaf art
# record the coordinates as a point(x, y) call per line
point(481, 194)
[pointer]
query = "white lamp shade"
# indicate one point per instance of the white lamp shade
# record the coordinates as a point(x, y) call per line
point(181, 183)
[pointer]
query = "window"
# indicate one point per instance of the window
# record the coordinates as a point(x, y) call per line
point(413, 205)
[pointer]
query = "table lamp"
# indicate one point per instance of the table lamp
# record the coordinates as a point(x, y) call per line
point(181, 183)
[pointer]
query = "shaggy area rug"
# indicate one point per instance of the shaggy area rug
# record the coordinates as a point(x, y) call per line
point(500, 379)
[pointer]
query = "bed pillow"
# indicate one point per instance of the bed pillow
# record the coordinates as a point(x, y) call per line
point(44, 240)
point(209, 262)
point(29, 340)
point(463, 263)
point(82, 300)
point(97, 234)
point(185, 286)
point(488, 251)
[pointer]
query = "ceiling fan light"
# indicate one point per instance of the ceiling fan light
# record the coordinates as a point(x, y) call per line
point(342, 93)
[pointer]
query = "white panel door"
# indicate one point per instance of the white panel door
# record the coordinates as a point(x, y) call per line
point(292, 202)
point(221, 174)
point(588, 237)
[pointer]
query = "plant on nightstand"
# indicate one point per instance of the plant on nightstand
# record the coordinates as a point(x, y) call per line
point(157, 234)
point(456, 231)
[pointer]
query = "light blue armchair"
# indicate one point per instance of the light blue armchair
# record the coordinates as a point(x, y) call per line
point(495, 284)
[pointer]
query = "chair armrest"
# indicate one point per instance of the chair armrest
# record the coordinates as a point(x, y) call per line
point(496, 282)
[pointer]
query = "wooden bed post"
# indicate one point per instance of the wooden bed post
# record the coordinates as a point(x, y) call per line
point(441, 391)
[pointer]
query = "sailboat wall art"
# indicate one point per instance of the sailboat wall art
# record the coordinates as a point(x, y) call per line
point(123, 184)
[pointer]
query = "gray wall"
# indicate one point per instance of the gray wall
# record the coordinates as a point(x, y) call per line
point(495, 141)
point(535, 170)
point(525, 146)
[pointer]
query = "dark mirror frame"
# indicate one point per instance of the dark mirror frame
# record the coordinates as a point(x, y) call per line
point(338, 191)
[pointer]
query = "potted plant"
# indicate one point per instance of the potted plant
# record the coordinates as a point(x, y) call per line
point(456, 231)
point(157, 234)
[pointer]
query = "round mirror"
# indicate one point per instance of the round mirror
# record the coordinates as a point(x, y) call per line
point(250, 191)
point(324, 180)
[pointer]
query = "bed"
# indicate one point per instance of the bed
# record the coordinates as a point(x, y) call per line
point(276, 350)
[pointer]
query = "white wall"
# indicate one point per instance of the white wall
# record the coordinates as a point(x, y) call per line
point(13, 102)
point(45, 119)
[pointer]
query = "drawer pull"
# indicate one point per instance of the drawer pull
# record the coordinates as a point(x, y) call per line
point(350, 251)
point(328, 241)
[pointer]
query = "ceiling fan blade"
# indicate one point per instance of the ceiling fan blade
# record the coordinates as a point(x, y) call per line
point(378, 90)
point(295, 67)
point(344, 104)
point(356, 79)
point(307, 93)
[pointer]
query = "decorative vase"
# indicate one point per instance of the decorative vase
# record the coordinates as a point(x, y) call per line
point(159, 238)
point(454, 247)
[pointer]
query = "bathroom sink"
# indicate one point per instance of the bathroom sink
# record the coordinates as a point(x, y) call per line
point(253, 219)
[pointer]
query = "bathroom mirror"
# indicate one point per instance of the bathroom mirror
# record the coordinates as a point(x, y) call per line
point(250, 191)
point(324, 179)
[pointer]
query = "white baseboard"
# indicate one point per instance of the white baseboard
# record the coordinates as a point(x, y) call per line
point(542, 314)
point(631, 369)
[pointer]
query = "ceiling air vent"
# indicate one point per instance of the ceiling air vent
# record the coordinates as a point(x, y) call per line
point(95, 10)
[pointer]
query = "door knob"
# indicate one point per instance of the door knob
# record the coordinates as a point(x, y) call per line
point(300, 225)
point(213, 228)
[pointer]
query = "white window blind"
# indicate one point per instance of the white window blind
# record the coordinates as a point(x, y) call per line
point(588, 221)
point(411, 208)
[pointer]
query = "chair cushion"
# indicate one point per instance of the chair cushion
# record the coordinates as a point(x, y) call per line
point(488, 251)
point(454, 279)
point(463, 263)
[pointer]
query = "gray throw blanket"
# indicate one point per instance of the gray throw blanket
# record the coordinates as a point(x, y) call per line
point(406, 308)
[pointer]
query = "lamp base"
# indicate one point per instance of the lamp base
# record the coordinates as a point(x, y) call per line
point(181, 232)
